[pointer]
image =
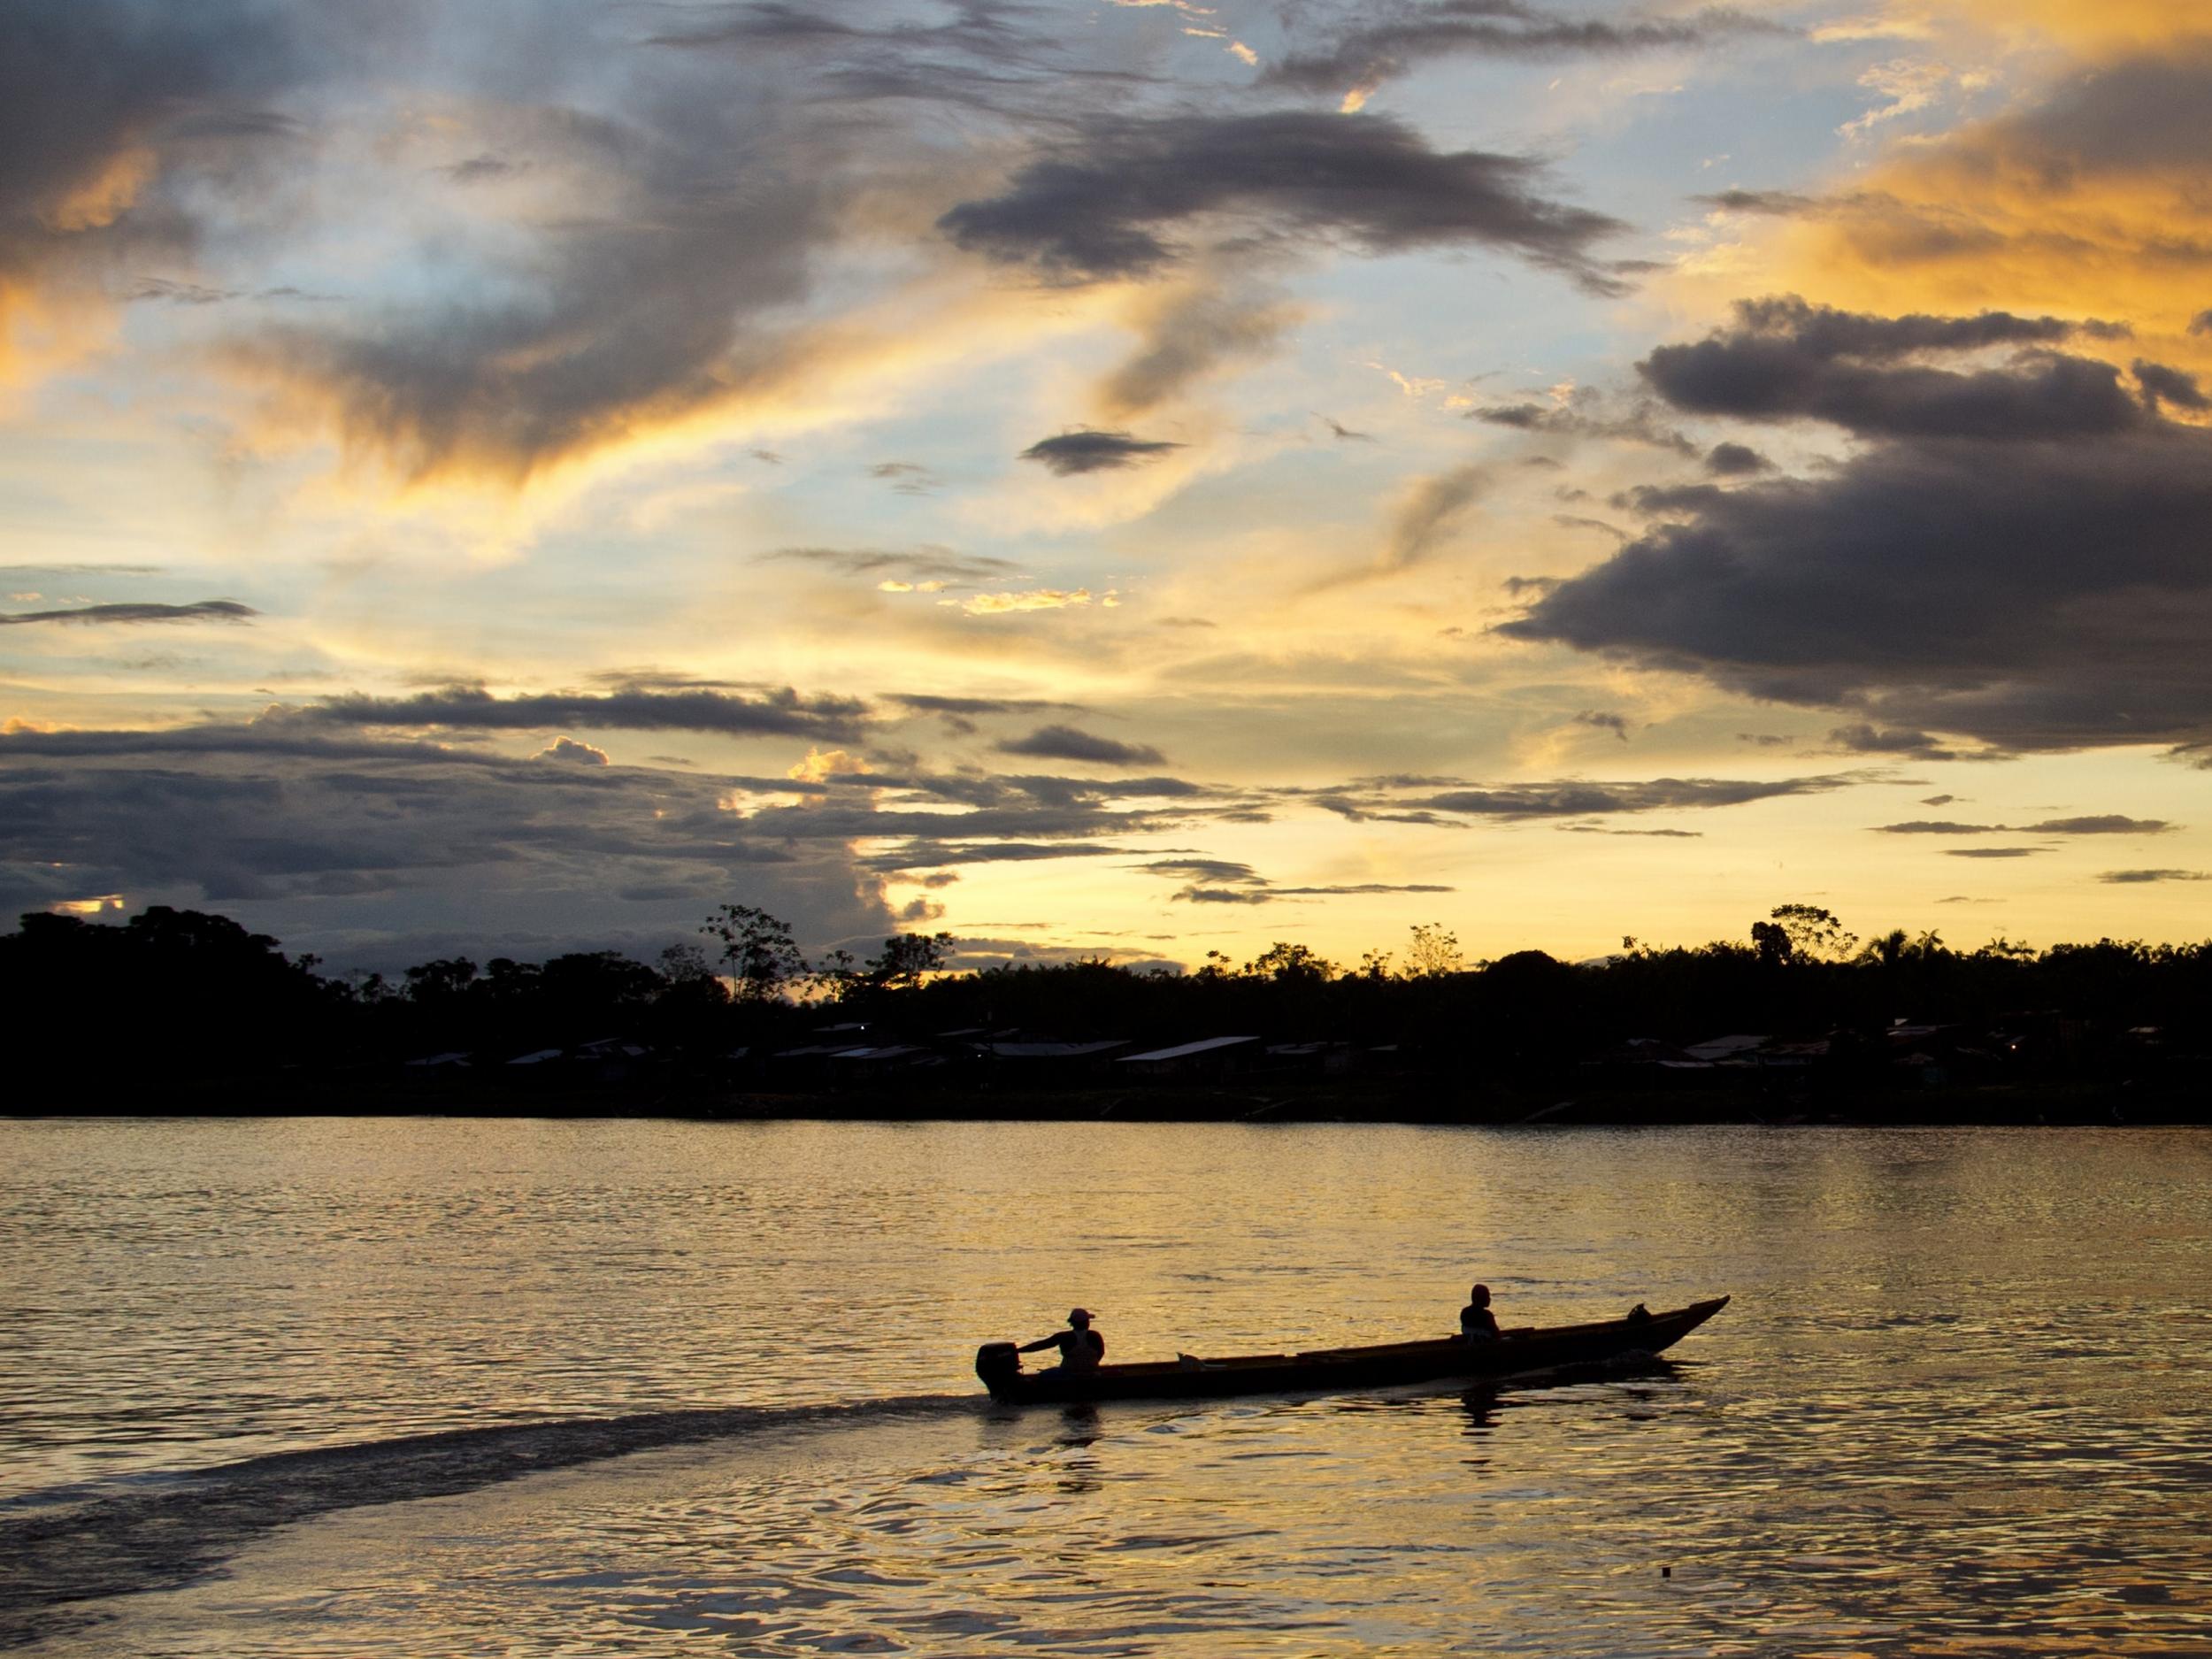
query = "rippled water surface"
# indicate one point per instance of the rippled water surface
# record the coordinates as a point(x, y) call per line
point(445, 1386)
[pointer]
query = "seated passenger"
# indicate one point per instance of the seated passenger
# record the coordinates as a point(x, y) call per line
point(1477, 1323)
point(1080, 1347)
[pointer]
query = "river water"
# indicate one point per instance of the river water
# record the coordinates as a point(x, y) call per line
point(445, 1386)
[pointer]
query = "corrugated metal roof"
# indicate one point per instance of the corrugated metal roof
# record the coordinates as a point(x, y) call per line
point(1052, 1050)
point(1723, 1047)
point(1181, 1049)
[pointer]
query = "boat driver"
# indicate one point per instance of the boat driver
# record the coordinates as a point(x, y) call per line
point(1080, 1347)
point(1477, 1323)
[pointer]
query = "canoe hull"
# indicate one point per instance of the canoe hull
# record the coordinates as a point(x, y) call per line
point(1515, 1354)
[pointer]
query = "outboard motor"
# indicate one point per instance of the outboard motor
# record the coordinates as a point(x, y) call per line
point(998, 1363)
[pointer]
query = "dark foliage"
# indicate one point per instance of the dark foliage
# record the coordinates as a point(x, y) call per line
point(178, 997)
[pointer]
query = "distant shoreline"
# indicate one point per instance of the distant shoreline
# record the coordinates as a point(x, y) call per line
point(1381, 1102)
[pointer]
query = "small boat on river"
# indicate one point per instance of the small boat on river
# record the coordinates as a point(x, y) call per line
point(1513, 1353)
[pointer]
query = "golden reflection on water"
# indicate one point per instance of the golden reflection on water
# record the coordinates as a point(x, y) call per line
point(1958, 1407)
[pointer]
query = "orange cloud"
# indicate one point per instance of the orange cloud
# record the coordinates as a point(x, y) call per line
point(2086, 201)
point(1036, 599)
point(2090, 25)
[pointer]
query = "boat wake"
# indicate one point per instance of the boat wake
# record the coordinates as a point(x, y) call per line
point(91, 1543)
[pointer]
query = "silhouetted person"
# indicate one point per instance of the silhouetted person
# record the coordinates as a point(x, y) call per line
point(1080, 1347)
point(1477, 1323)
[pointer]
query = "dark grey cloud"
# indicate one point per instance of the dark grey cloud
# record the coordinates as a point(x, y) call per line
point(1779, 204)
point(1862, 737)
point(1110, 201)
point(2098, 824)
point(1992, 852)
point(417, 832)
point(380, 853)
point(1356, 810)
point(1362, 888)
point(1393, 40)
point(1088, 451)
point(1220, 881)
point(782, 713)
point(263, 739)
point(2201, 323)
point(1343, 433)
point(176, 99)
point(764, 26)
point(201, 610)
point(1582, 800)
point(924, 853)
point(1823, 331)
point(2032, 594)
point(683, 202)
point(1584, 417)
point(1735, 460)
point(2131, 878)
point(923, 703)
point(1018, 792)
point(1600, 829)
point(1616, 724)
point(1222, 895)
point(2163, 385)
point(1575, 521)
point(984, 55)
point(1783, 360)
point(654, 306)
point(921, 564)
point(1221, 871)
point(1066, 742)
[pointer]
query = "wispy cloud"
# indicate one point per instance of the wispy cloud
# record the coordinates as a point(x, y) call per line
point(201, 610)
point(1087, 452)
point(1066, 742)
point(1108, 202)
point(472, 708)
point(1034, 599)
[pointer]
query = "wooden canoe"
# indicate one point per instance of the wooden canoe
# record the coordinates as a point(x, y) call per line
point(1326, 1371)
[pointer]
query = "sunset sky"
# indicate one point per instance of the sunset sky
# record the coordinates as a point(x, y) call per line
point(1123, 478)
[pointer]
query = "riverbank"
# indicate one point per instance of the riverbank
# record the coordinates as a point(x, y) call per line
point(1376, 1101)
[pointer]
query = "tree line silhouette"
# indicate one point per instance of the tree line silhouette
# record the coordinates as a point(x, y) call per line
point(176, 996)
